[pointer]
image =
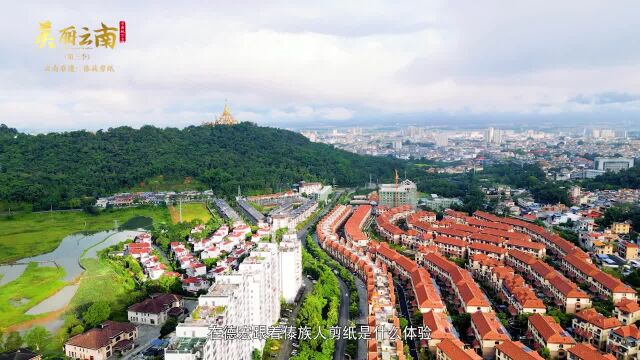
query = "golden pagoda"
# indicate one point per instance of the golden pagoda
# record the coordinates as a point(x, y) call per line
point(226, 118)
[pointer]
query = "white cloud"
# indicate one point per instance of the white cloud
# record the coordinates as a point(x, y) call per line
point(288, 61)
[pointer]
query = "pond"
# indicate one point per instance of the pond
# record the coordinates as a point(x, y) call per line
point(66, 255)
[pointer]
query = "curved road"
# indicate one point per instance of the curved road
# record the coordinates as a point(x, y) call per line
point(343, 310)
point(405, 313)
point(286, 346)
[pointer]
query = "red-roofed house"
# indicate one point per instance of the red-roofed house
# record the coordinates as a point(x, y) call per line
point(488, 332)
point(593, 327)
point(624, 342)
point(627, 311)
point(546, 332)
point(493, 251)
point(156, 309)
point(585, 351)
point(454, 349)
point(108, 339)
point(451, 246)
point(515, 350)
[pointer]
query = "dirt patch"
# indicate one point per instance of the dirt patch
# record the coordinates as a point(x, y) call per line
point(38, 321)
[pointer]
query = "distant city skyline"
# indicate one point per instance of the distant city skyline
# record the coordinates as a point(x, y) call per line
point(295, 65)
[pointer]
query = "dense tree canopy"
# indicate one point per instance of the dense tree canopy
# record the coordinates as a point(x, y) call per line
point(71, 168)
point(610, 180)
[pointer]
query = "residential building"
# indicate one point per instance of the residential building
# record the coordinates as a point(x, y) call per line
point(404, 193)
point(488, 332)
point(585, 351)
point(454, 349)
point(621, 228)
point(515, 350)
point(155, 310)
point(593, 327)
point(309, 188)
point(613, 164)
point(441, 330)
point(624, 342)
point(290, 252)
point(108, 339)
point(627, 250)
point(546, 332)
point(627, 311)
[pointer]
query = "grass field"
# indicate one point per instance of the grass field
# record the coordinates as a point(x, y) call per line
point(30, 234)
point(34, 285)
point(190, 211)
point(101, 281)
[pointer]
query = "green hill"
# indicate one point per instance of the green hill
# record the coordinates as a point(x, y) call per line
point(67, 169)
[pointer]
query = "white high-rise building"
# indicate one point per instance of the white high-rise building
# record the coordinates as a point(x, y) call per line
point(404, 193)
point(441, 139)
point(249, 297)
point(493, 136)
point(488, 135)
point(264, 267)
point(223, 305)
point(290, 267)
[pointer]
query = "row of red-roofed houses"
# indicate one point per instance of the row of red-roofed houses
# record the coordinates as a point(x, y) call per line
point(353, 227)
point(544, 330)
point(222, 240)
point(550, 281)
point(607, 286)
point(574, 261)
point(485, 327)
point(425, 291)
point(514, 350)
point(596, 332)
point(328, 226)
point(385, 223)
point(427, 297)
point(453, 238)
point(426, 294)
point(380, 293)
point(141, 250)
point(466, 293)
point(196, 271)
point(509, 286)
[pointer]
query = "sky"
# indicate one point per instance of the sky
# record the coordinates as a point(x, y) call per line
point(302, 63)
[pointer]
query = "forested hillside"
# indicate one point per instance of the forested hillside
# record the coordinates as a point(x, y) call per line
point(67, 169)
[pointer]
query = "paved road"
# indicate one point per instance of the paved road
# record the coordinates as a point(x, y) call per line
point(286, 346)
point(146, 334)
point(362, 298)
point(343, 319)
point(343, 310)
point(405, 313)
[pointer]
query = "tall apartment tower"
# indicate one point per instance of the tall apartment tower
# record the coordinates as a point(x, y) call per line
point(404, 193)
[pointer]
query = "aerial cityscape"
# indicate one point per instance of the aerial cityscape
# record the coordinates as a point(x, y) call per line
point(276, 180)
